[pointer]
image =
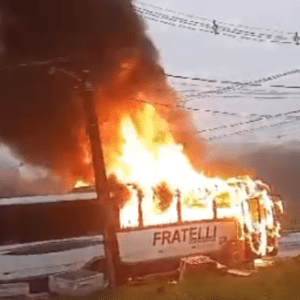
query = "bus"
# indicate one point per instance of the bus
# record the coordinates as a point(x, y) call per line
point(51, 234)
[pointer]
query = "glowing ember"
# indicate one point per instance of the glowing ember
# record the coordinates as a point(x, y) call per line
point(81, 183)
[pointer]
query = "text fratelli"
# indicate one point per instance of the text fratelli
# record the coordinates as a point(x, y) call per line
point(191, 235)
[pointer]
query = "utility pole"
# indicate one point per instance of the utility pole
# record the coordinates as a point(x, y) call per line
point(110, 239)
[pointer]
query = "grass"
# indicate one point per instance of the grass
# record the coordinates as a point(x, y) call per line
point(278, 282)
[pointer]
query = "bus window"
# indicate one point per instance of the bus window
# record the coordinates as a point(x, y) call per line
point(154, 214)
point(129, 213)
point(229, 203)
point(49, 221)
point(254, 209)
point(195, 206)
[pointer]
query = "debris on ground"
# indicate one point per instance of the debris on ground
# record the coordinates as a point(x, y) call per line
point(201, 265)
point(195, 266)
point(76, 283)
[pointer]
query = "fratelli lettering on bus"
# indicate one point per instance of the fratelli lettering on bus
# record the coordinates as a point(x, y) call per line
point(191, 235)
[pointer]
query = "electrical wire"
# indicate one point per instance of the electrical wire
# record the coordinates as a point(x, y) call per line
point(197, 79)
point(233, 33)
point(204, 18)
point(178, 19)
point(230, 126)
point(219, 137)
point(53, 67)
point(228, 88)
point(50, 62)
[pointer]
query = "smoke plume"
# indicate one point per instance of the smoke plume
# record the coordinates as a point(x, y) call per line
point(41, 116)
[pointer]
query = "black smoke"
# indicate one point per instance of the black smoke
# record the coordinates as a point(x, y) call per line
point(40, 114)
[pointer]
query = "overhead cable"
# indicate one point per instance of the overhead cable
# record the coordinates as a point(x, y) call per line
point(172, 106)
point(178, 19)
point(203, 18)
point(211, 93)
point(259, 119)
point(219, 137)
point(49, 62)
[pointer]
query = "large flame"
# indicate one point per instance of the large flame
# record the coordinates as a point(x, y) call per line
point(152, 161)
point(152, 156)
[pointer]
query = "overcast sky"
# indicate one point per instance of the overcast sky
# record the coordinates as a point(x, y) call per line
point(190, 53)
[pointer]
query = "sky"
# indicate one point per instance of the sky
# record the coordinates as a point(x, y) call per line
point(199, 54)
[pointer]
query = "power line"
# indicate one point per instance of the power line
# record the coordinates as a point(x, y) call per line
point(178, 19)
point(266, 92)
point(239, 86)
point(230, 126)
point(219, 137)
point(204, 18)
point(206, 79)
point(240, 132)
point(53, 62)
point(259, 119)
point(233, 33)
point(261, 95)
point(172, 106)
point(225, 113)
point(235, 85)
point(197, 79)
point(56, 63)
point(285, 134)
point(167, 20)
point(59, 64)
point(190, 78)
point(161, 19)
point(54, 66)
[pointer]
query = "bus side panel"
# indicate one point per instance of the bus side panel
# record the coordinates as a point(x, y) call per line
point(175, 241)
point(48, 221)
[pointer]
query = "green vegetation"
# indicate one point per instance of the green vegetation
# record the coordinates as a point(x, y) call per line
point(277, 282)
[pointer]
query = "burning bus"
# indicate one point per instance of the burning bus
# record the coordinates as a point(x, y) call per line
point(46, 235)
point(165, 210)
point(168, 207)
point(233, 227)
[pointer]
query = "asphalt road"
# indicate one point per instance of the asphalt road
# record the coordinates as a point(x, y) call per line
point(289, 244)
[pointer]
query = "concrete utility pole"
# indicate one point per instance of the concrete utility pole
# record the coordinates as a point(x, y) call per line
point(110, 239)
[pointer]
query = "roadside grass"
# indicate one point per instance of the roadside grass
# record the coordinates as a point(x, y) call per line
point(278, 282)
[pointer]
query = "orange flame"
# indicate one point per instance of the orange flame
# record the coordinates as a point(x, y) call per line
point(151, 159)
